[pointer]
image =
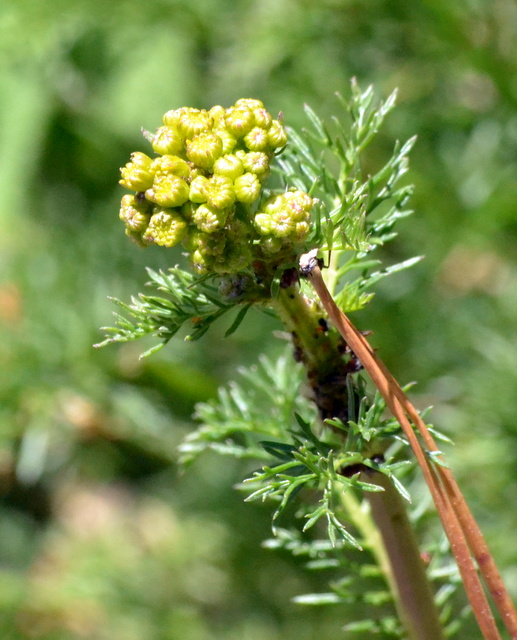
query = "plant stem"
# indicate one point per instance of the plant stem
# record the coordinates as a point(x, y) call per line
point(413, 592)
point(327, 373)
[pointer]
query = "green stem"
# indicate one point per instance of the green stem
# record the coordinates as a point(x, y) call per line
point(398, 555)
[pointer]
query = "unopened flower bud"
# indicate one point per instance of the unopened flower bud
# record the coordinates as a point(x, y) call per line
point(220, 193)
point(198, 189)
point(170, 164)
point(277, 135)
point(285, 216)
point(204, 150)
point(239, 121)
point(299, 204)
point(229, 141)
point(250, 103)
point(166, 228)
point(171, 118)
point(167, 140)
point(217, 114)
point(136, 175)
point(193, 122)
point(262, 117)
point(256, 162)
point(208, 218)
point(257, 139)
point(168, 190)
point(229, 166)
point(135, 213)
point(247, 188)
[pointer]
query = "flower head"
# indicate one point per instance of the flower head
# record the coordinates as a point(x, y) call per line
point(204, 189)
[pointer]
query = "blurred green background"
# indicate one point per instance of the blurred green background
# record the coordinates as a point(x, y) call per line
point(100, 536)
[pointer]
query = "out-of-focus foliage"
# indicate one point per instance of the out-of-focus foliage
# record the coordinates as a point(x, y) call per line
point(99, 537)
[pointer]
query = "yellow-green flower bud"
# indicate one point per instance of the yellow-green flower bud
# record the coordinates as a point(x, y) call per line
point(200, 261)
point(166, 228)
point(135, 213)
point(301, 231)
point(229, 141)
point(208, 218)
point(257, 139)
point(204, 150)
point(198, 189)
point(217, 114)
point(170, 164)
point(277, 135)
point(136, 175)
point(262, 117)
point(285, 216)
point(168, 190)
point(299, 204)
point(219, 191)
point(256, 162)
point(193, 122)
point(229, 166)
point(167, 140)
point(239, 121)
point(264, 224)
point(171, 118)
point(247, 188)
point(250, 103)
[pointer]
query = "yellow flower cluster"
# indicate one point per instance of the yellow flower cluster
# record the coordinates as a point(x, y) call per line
point(209, 170)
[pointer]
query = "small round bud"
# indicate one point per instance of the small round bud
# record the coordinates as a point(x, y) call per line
point(193, 122)
point(171, 118)
point(256, 162)
point(198, 189)
point(166, 228)
point(135, 213)
point(204, 150)
point(262, 117)
point(229, 141)
point(168, 190)
point(208, 218)
point(229, 166)
point(299, 204)
point(250, 103)
point(301, 231)
point(217, 114)
point(167, 140)
point(239, 121)
point(170, 164)
point(263, 224)
point(277, 135)
point(136, 175)
point(247, 188)
point(257, 139)
point(285, 216)
point(220, 193)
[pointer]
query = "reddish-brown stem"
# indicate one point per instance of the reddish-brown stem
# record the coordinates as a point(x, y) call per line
point(458, 522)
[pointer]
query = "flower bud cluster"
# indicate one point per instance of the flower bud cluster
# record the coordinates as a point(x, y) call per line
point(199, 189)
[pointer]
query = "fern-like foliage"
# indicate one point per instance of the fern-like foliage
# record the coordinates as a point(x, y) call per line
point(181, 299)
point(264, 417)
point(358, 211)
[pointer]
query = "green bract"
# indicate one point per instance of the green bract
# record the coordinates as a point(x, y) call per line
point(205, 188)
